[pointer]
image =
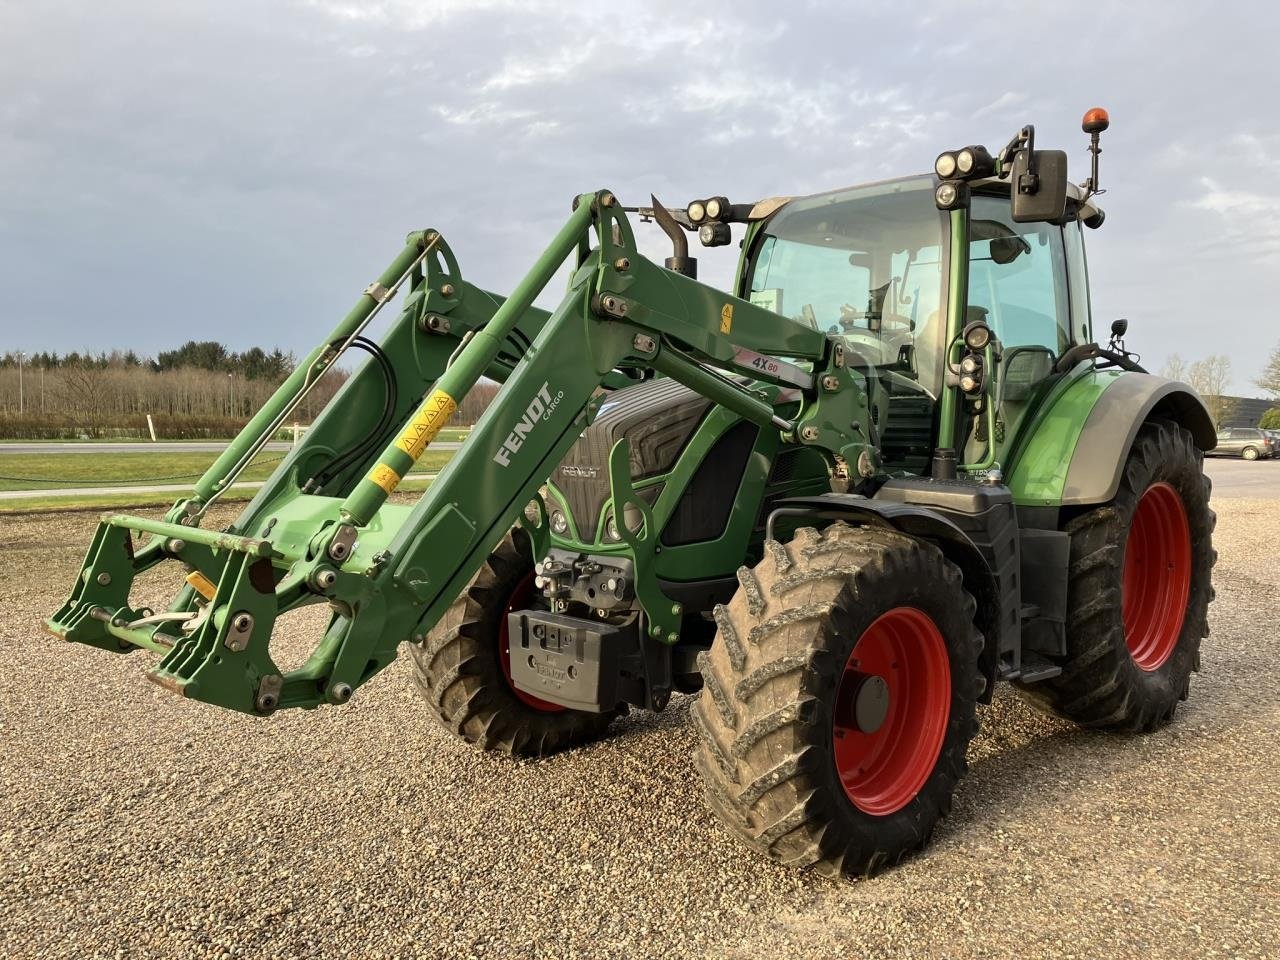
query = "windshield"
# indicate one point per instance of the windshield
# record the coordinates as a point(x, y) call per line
point(864, 263)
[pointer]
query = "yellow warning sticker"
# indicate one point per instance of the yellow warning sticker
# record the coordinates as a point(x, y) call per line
point(426, 423)
point(726, 318)
point(202, 584)
point(384, 477)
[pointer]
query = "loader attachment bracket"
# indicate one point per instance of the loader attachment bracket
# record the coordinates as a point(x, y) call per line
point(663, 614)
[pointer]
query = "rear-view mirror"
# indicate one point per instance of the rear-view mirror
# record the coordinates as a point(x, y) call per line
point(1038, 186)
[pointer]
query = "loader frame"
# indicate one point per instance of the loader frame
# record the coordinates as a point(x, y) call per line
point(388, 571)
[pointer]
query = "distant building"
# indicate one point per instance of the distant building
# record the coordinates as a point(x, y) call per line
point(1248, 411)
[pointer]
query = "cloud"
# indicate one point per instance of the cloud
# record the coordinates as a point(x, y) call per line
point(256, 163)
point(1006, 100)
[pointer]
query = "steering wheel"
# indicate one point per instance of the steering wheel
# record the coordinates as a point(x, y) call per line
point(849, 314)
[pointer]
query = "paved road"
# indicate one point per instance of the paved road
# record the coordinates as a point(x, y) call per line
point(1231, 478)
point(142, 488)
point(1240, 478)
point(175, 446)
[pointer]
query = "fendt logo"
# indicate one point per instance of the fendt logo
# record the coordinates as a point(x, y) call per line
point(541, 408)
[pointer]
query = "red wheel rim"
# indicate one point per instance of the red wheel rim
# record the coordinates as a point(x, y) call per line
point(519, 601)
point(882, 771)
point(1157, 576)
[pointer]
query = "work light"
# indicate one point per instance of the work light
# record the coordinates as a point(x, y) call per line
point(975, 162)
point(714, 234)
point(717, 208)
point(977, 335)
point(945, 165)
point(951, 194)
point(697, 211)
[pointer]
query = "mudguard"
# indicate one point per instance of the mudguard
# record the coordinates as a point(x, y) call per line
point(925, 524)
point(1073, 450)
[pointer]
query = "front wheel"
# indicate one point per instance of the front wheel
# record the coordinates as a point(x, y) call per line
point(1138, 591)
point(463, 667)
point(839, 698)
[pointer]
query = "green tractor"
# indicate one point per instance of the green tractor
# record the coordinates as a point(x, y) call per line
point(889, 469)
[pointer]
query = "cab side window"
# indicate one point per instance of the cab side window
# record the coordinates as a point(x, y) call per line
point(1078, 283)
point(1018, 274)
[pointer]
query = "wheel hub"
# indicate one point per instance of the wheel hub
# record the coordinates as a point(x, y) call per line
point(868, 703)
point(890, 714)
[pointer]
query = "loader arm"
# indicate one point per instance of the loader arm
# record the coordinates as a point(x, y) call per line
point(388, 571)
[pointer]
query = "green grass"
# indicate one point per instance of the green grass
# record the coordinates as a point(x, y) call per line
point(76, 469)
point(139, 469)
point(88, 469)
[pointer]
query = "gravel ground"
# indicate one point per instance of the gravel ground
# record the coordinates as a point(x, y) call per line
point(133, 823)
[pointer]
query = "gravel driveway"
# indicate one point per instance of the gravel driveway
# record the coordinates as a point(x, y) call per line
point(135, 824)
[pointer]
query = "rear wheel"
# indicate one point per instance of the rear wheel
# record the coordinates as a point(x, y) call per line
point(1250, 453)
point(839, 698)
point(1138, 591)
point(463, 668)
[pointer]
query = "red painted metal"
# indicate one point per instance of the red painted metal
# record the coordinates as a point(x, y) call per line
point(1157, 576)
point(883, 771)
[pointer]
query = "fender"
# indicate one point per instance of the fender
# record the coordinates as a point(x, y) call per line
point(923, 524)
point(1073, 450)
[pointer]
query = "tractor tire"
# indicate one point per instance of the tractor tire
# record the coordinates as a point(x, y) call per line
point(1138, 591)
point(810, 760)
point(463, 668)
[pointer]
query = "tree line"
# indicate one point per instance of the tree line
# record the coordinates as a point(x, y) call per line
point(1211, 378)
point(201, 390)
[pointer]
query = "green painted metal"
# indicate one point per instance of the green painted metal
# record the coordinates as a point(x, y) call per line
point(1041, 453)
point(387, 571)
point(467, 368)
point(664, 615)
point(322, 532)
point(957, 309)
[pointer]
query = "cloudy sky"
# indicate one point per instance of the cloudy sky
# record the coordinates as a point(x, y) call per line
point(240, 170)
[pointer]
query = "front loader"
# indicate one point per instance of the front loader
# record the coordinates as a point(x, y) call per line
point(889, 469)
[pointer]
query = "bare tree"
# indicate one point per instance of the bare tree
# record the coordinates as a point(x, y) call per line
point(1270, 378)
point(1210, 378)
point(85, 393)
point(1175, 368)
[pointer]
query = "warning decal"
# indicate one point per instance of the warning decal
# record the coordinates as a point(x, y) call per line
point(426, 423)
point(726, 318)
point(384, 477)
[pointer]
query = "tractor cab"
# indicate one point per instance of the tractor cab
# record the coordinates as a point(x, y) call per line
point(873, 263)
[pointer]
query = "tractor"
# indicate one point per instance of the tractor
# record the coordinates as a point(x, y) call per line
point(891, 467)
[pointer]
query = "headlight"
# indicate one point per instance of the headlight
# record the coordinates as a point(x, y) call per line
point(970, 364)
point(559, 523)
point(947, 195)
point(977, 335)
point(975, 162)
point(714, 234)
point(970, 383)
point(611, 530)
point(697, 211)
point(945, 165)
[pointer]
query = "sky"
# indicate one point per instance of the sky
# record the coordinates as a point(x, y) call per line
point(241, 170)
